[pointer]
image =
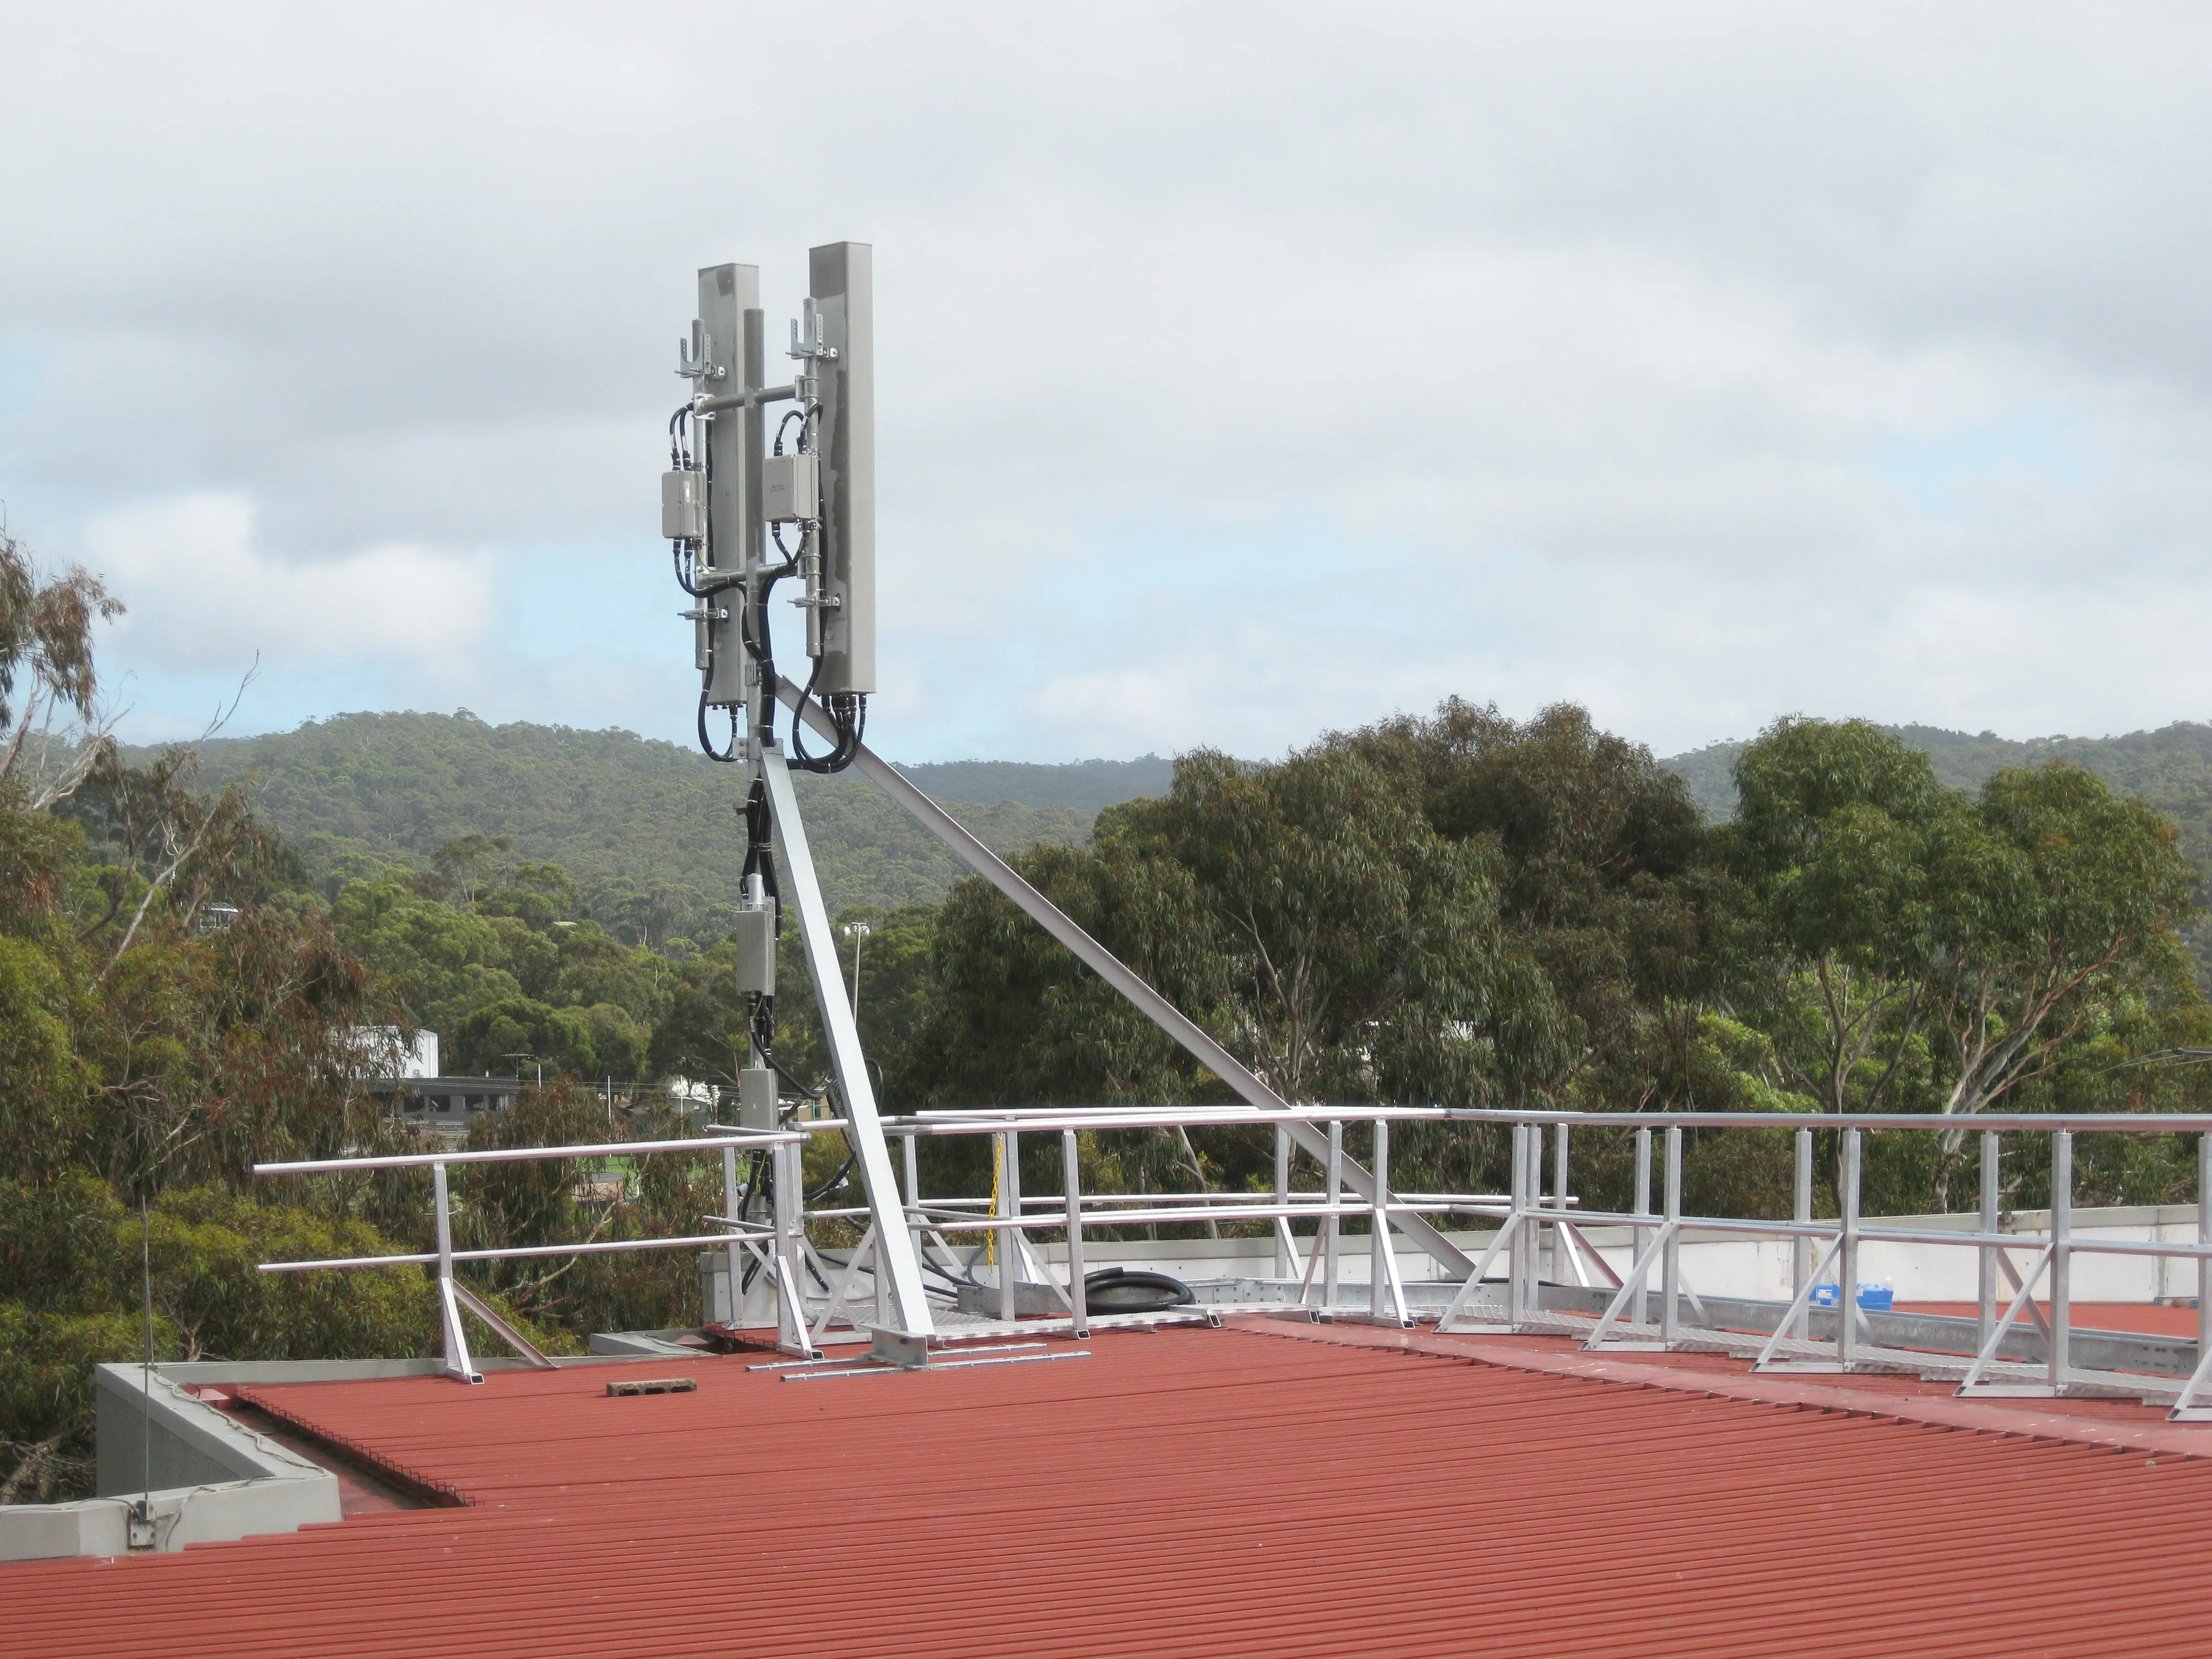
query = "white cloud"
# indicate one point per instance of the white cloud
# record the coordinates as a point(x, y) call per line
point(1246, 368)
point(203, 597)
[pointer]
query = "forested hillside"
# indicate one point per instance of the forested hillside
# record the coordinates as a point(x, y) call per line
point(645, 829)
point(2170, 767)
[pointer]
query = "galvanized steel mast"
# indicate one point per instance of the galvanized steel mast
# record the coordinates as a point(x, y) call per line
point(724, 488)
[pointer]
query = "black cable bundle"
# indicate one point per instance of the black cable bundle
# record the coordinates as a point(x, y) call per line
point(848, 716)
point(727, 754)
point(760, 860)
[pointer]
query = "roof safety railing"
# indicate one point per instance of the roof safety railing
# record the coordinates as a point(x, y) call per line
point(1535, 1221)
point(775, 1241)
point(1528, 1214)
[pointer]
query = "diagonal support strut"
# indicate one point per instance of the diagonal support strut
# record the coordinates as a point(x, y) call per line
point(894, 1243)
point(1096, 956)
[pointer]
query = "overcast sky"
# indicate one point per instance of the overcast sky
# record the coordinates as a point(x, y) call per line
point(1244, 370)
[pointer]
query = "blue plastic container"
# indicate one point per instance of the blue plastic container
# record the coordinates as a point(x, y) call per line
point(1874, 1298)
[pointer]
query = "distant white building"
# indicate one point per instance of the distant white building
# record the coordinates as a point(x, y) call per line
point(386, 1053)
point(690, 1097)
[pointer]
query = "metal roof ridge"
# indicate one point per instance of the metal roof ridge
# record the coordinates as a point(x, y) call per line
point(434, 1492)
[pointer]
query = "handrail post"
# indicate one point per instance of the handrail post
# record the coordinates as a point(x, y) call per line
point(1801, 1246)
point(1847, 1257)
point(787, 1162)
point(880, 1274)
point(1010, 1208)
point(2203, 1237)
point(1332, 1231)
point(1071, 1163)
point(1643, 1307)
point(1532, 1194)
point(1985, 1317)
point(1560, 1256)
point(1516, 1251)
point(1382, 1264)
point(1670, 1260)
point(912, 1162)
point(733, 1257)
point(1284, 1267)
point(459, 1365)
point(2062, 1263)
point(1378, 1228)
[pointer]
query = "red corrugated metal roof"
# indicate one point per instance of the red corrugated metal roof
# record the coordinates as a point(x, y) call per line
point(1193, 1493)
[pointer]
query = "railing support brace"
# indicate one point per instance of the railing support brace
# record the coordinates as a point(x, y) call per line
point(459, 1365)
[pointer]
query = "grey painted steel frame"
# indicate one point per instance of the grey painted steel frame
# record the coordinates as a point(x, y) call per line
point(1109, 967)
point(894, 1243)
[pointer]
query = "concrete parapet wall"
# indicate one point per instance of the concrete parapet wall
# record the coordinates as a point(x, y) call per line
point(177, 1516)
point(210, 1477)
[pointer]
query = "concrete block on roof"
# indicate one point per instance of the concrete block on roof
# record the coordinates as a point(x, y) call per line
point(163, 1432)
point(212, 1478)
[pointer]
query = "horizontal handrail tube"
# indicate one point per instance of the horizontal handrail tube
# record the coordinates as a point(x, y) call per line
point(511, 1254)
point(2139, 1123)
point(1149, 1218)
point(1056, 1203)
point(1103, 1117)
point(1875, 1234)
point(2133, 1247)
point(524, 1154)
point(811, 1126)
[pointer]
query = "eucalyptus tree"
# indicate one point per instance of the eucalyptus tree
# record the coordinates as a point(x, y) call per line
point(1832, 837)
point(1602, 873)
point(1306, 912)
point(1926, 948)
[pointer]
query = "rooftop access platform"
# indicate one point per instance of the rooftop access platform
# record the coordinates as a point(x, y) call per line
point(1527, 1465)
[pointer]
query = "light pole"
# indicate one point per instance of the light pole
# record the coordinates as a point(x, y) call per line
point(856, 931)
